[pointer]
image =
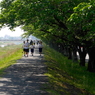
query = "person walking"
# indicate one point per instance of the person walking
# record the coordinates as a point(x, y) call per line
point(24, 51)
point(40, 47)
point(32, 48)
point(27, 44)
point(31, 42)
point(37, 42)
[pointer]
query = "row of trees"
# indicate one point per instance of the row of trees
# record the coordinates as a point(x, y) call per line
point(66, 25)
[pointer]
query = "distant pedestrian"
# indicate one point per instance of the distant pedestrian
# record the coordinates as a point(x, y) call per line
point(32, 48)
point(31, 42)
point(27, 44)
point(34, 42)
point(37, 42)
point(24, 51)
point(40, 47)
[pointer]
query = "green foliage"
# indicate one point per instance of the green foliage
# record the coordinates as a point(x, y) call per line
point(43, 15)
point(57, 22)
point(83, 17)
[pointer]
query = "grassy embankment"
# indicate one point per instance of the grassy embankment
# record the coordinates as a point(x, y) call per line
point(67, 77)
point(9, 55)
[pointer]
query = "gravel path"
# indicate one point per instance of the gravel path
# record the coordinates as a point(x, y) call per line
point(26, 77)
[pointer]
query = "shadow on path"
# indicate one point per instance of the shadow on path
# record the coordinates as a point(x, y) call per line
point(26, 77)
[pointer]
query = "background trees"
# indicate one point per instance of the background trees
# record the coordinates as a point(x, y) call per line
point(83, 20)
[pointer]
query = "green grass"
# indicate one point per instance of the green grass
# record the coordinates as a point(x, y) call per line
point(65, 76)
point(9, 55)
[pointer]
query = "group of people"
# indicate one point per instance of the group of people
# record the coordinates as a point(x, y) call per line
point(29, 46)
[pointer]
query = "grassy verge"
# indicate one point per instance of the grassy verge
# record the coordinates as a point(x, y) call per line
point(67, 77)
point(8, 56)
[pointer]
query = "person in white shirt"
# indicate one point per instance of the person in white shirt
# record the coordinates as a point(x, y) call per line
point(32, 48)
point(40, 47)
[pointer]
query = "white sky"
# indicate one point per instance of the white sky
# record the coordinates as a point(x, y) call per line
point(0, 0)
point(7, 31)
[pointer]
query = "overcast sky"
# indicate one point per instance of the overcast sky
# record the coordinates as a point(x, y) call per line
point(7, 31)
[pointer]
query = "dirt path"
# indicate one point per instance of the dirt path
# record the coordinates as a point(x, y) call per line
point(26, 77)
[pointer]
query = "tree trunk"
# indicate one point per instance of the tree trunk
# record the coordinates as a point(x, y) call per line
point(82, 55)
point(69, 53)
point(65, 51)
point(74, 54)
point(91, 63)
